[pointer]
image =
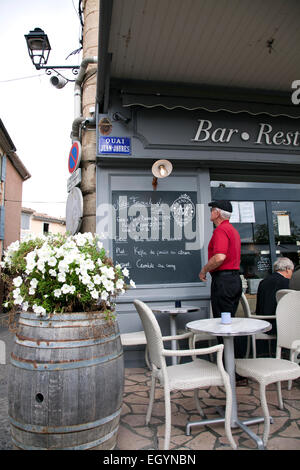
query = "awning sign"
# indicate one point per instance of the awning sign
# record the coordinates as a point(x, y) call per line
point(115, 145)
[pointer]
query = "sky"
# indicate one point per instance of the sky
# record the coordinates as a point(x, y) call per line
point(37, 116)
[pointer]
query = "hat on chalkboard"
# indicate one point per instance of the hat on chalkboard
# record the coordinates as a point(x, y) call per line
point(224, 205)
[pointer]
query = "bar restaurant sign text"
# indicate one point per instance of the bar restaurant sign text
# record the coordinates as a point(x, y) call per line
point(265, 134)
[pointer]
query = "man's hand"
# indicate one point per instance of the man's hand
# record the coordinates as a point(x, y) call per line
point(212, 264)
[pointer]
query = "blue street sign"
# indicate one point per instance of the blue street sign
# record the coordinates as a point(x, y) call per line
point(115, 145)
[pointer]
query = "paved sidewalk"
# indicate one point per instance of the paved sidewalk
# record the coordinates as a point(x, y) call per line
point(135, 435)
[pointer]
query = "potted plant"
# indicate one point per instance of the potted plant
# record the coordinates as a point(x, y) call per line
point(66, 374)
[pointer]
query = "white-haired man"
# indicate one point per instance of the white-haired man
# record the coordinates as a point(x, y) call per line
point(224, 256)
point(266, 294)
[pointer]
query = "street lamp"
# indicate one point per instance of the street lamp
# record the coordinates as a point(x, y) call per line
point(39, 49)
point(161, 169)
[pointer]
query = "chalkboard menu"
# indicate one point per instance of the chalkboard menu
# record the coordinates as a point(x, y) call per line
point(156, 236)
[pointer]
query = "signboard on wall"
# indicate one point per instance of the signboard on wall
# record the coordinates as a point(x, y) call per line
point(159, 255)
point(114, 145)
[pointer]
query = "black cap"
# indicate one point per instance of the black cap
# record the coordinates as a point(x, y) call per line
point(224, 205)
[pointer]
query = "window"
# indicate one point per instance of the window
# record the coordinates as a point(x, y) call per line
point(45, 228)
point(275, 227)
point(25, 221)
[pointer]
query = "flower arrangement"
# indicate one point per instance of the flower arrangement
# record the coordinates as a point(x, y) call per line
point(62, 273)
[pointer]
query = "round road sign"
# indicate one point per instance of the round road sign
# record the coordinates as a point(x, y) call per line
point(74, 211)
point(74, 156)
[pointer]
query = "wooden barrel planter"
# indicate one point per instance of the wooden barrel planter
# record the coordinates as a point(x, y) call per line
point(66, 382)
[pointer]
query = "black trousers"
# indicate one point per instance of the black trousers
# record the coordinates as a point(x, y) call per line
point(226, 290)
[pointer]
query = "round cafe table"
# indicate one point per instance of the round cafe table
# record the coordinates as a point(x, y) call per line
point(173, 312)
point(238, 327)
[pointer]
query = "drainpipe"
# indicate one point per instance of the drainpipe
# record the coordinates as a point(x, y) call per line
point(78, 118)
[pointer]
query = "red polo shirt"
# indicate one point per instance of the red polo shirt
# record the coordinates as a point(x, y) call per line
point(226, 240)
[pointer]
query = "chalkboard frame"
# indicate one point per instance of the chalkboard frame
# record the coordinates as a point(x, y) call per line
point(109, 179)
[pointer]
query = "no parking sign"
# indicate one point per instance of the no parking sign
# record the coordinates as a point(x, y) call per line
point(74, 156)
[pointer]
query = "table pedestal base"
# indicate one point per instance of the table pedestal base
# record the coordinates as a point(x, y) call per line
point(236, 424)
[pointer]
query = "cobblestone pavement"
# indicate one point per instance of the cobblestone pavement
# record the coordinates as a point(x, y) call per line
point(135, 435)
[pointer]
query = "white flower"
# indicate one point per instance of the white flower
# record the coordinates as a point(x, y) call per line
point(95, 294)
point(119, 284)
point(39, 310)
point(61, 277)
point(31, 291)
point(52, 272)
point(34, 282)
point(104, 295)
point(57, 293)
point(65, 289)
point(97, 279)
point(125, 272)
point(17, 281)
point(99, 245)
point(109, 285)
point(18, 300)
point(16, 293)
point(25, 306)
point(108, 272)
point(132, 283)
point(85, 279)
point(52, 261)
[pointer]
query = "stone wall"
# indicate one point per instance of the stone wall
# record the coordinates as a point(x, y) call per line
point(88, 162)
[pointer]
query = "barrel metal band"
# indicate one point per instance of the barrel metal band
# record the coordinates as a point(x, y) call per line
point(48, 344)
point(78, 364)
point(59, 324)
point(89, 445)
point(64, 429)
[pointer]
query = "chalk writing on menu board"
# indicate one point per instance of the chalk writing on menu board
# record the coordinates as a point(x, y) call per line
point(263, 263)
point(150, 236)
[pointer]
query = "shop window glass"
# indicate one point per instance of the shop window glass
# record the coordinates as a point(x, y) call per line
point(255, 248)
point(286, 223)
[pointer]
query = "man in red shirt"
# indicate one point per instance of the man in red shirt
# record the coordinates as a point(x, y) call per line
point(224, 255)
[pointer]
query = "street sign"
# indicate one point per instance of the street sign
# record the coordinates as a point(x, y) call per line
point(74, 211)
point(115, 145)
point(74, 156)
point(74, 180)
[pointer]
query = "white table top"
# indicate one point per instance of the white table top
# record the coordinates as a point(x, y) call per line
point(240, 326)
point(174, 310)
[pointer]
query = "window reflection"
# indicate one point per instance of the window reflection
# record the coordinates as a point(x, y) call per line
point(255, 250)
point(286, 223)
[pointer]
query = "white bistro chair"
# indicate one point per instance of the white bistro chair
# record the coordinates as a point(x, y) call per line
point(198, 373)
point(295, 349)
point(267, 370)
point(136, 338)
point(258, 336)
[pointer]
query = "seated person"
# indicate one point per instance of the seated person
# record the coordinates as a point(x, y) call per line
point(266, 294)
point(295, 279)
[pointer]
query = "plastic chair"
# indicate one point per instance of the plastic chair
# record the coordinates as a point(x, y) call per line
point(258, 336)
point(195, 374)
point(135, 338)
point(296, 345)
point(281, 292)
point(269, 370)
